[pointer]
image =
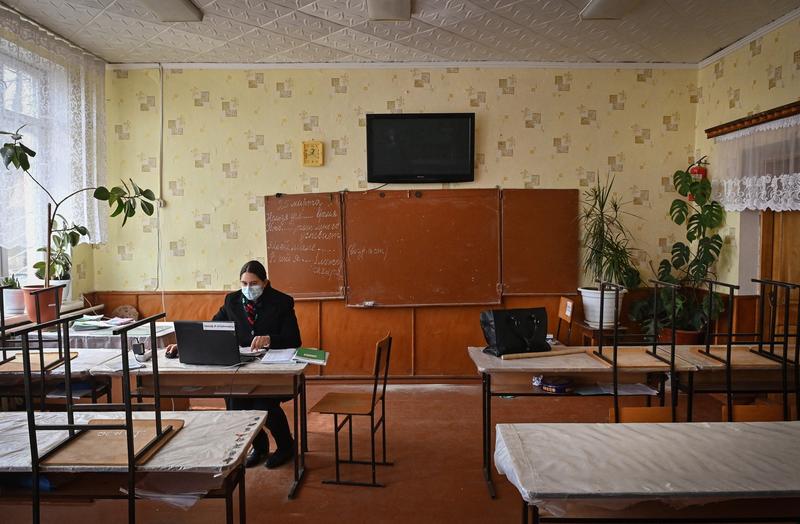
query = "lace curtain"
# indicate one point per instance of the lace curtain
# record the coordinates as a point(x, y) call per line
point(57, 92)
point(758, 168)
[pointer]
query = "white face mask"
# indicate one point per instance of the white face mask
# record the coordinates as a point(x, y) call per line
point(252, 292)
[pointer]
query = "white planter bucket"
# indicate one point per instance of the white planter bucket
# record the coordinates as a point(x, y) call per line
point(13, 301)
point(591, 307)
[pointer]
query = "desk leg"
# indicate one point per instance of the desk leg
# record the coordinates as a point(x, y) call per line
point(524, 512)
point(299, 457)
point(303, 416)
point(229, 502)
point(662, 390)
point(487, 432)
point(690, 397)
point(242, 496)
point(673, 397)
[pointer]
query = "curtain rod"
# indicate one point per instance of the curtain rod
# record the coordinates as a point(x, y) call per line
point(769, 115)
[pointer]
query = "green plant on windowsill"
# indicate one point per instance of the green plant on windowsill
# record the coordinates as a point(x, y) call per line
point(124, 197)
point(62, 241)
point(691, 262)
point(11, 282)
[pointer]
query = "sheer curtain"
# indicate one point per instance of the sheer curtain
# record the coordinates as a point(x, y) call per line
point(760, 167)
point(57, 92)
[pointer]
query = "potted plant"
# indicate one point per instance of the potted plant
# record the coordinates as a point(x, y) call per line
point(13, 301)
point(607, 254)
point(16, 153)
point(62, 240)
point(690, 263)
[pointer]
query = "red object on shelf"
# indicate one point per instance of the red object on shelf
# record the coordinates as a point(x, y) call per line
point(698, 172)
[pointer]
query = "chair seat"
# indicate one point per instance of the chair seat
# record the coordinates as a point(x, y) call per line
point(344, 403)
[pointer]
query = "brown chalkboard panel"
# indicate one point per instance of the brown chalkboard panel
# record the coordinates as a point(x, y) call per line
point(304, 244)
point(540, 241)
point(422, 247)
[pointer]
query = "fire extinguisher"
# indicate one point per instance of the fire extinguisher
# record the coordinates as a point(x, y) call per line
point(699, 171)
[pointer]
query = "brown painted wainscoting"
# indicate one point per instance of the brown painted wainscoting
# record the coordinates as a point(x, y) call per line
point(428, 342)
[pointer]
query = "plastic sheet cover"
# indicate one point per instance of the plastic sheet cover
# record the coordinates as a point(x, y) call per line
point(210, 442)
point(175, 366)
point(623, 464)
point(104, 338)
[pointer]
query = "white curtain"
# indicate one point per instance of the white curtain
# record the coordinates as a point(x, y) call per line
point(57, 92)
point(758, 168)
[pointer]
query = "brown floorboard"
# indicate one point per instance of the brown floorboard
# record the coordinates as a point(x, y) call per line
point(433, 438)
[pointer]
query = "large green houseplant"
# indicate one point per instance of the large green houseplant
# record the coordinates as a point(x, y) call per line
point(690, 263)
point(607, 253)
point(62, 236)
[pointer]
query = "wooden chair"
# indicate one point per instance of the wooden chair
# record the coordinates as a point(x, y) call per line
point(349, 405)
point(565, 309)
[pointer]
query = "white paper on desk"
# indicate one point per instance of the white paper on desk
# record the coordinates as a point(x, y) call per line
point(622, 389)
point(278, 356)
point(116, 363)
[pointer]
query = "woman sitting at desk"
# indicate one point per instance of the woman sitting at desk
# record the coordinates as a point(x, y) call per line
point(264, 318)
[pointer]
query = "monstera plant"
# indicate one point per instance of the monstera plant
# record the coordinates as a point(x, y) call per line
point(691, 262)
point(123, 198)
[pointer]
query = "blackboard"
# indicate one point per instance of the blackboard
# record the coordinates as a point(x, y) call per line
point(422, 247)
point(540, 241)
point(304, 244)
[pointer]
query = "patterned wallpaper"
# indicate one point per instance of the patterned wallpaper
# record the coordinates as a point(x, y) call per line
point(763, 74)
point(232, 136)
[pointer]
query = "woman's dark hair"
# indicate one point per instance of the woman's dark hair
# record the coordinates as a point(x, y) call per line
point(255, 267)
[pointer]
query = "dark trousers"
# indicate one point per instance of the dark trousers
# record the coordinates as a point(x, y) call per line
point(276, 420)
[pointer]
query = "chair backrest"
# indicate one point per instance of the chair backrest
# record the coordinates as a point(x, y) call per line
point(383, 350)
point(642, 414)
point(565, 308)
point(754, 413)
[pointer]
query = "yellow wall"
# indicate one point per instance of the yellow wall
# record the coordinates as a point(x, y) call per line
point(232, 136)
point(761, 75)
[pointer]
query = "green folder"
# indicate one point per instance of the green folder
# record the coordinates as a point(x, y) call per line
point(311, 356)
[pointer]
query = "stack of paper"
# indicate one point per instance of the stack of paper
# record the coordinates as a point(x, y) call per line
point(91, 322)
point(278, 356)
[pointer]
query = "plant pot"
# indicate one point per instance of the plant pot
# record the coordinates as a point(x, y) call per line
point(47, 303)
point(682, 337)
point(13, 301)
point(591, 307)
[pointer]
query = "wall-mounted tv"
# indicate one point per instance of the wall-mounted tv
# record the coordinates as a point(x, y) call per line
point(421, 147)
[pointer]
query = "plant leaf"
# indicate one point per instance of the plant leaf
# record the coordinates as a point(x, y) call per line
point(120, 208)
point(701, 190)
point(664, 270)
point(712, 215)
point(678, 211)
point(147, 207)
point(28, 151)
point(682, 182)
point(695, 228)
point(680, 254)
point(102, 193)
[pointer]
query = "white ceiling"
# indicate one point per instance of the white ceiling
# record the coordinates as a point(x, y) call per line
point(316, 31)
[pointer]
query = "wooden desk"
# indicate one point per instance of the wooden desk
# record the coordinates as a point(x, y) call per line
point(14, 321)
point(513, 377)
point(210, 446)
point(591, 336)
point(750, 372)
point(177, 380)
point(679, 464)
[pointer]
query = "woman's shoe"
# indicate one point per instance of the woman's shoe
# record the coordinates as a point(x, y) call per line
point(255, 457)
point(281, 456)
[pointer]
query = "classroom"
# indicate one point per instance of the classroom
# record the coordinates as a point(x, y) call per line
point(398, 261)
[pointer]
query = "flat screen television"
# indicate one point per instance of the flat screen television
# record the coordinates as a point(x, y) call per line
point(421, 147)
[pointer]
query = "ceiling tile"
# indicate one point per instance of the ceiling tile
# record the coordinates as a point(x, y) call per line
point(303, 26)
point(255, 13)
point(312, 53)
point(342, 12)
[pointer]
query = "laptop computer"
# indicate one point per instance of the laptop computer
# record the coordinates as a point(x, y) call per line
point(208, 343)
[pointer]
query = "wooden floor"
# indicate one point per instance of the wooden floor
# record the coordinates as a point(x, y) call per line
point(434, 440)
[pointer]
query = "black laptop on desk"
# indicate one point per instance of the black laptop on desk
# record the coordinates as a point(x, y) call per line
point(208, 343)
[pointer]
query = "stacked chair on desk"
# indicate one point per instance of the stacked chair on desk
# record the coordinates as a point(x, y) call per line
point(649, 413)
point(766, 338)
point(48, 385)
point(75, 429)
